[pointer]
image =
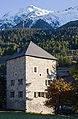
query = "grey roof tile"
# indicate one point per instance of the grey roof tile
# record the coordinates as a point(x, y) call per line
point(35, 51)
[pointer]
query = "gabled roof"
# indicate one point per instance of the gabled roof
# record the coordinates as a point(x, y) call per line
point(34, 51)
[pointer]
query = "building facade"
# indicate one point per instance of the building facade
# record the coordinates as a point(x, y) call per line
point(29, 72)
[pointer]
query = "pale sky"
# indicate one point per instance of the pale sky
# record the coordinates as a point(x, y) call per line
point(56, 5)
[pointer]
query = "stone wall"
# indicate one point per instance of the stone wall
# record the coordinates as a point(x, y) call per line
point(16, 69)
point(23, 68)
point(36, 82)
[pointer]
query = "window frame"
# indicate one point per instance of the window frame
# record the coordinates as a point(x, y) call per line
point(37, 69)
point(34, 94)
point(47, 82)
point(20, 81)
point(39, 94)
point(19, 93)
point(12, 94)
point(12, 82)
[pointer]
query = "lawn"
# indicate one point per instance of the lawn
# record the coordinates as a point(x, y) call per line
point(22, 115)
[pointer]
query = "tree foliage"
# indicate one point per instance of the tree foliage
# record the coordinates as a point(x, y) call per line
point(59, 43)
point(60, 93)
point(74, 73)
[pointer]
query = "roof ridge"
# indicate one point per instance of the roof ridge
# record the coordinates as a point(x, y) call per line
point(34, 50)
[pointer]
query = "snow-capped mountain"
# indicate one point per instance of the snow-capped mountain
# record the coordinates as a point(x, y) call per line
point(32, 17)
point(70, 14)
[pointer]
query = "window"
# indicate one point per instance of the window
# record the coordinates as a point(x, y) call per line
point(47, 82)
point(39, 94)
point(47, 71)
point(12, 94)
point(12, 82)
point(20, 81)
point(35, 69)
point(20, 94)
point(35, 94)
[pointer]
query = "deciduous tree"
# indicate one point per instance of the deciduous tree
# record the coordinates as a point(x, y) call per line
point(60, 93)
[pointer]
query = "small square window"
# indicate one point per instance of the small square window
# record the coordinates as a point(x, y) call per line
point(20, 81)
point(20, 94)
point(47, 82)
point(12, 82)
point(40, 94)
point(12, 94)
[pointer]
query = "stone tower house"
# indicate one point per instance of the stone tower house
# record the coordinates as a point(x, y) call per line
point(29, 72)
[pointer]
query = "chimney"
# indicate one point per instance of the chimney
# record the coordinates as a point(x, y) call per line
point(18, 49)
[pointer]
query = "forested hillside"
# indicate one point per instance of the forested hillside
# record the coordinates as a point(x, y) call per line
point(61, 43)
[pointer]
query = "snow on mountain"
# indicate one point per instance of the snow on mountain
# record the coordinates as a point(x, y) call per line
point(70, 14)
point(31, 14)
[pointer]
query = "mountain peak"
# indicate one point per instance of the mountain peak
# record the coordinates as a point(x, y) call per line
point(32, 8)
point(31, 14)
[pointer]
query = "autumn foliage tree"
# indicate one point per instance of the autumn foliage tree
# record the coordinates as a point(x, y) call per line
point(60, 93)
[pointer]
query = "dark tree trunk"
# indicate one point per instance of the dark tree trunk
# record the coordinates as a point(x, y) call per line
point(61, 109)
point(56, 110)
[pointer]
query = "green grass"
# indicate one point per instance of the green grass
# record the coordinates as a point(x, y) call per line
point(22, 115)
